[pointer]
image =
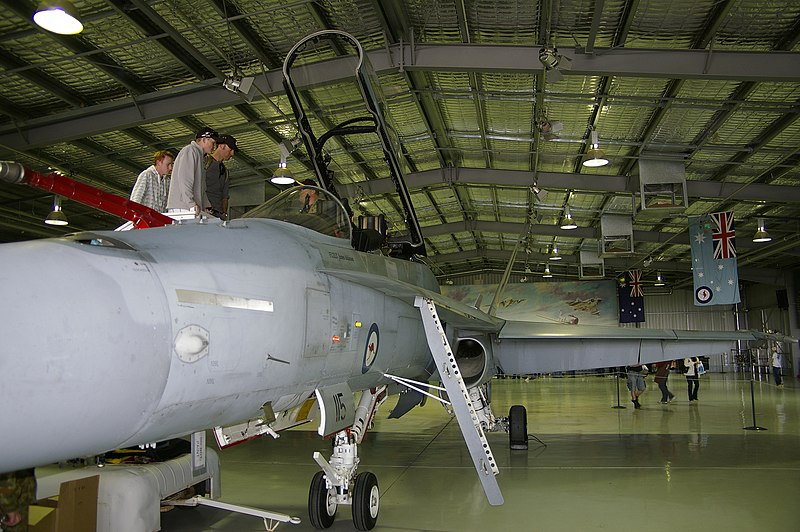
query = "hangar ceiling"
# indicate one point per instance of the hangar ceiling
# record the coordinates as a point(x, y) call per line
point(711, 84)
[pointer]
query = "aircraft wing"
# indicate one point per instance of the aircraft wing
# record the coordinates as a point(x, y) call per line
point(542, 330)
point(453, 312)
point(533, 347)
point(537, 347)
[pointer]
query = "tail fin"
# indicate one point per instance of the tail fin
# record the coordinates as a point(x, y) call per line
point(503, 281)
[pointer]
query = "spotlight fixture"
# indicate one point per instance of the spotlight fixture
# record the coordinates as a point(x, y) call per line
point(282, 175)
point(595, 156)
point(524, 278)
point(549, 57)
point(547, 273)
point(239, 84)
point(550, 129)
point(58, 16)
point(554, 62)
point(761, 234)
point(56, 216)
point(554, 254)
point(567, 222)
point(659, 280)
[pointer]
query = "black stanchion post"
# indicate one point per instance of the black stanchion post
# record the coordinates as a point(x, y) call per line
point(616, 376)
point(753, 404)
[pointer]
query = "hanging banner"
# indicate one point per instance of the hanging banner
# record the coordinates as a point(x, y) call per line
point(713, 241)
point(631, 298)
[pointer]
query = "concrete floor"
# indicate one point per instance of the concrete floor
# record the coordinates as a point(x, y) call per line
point(663, 467)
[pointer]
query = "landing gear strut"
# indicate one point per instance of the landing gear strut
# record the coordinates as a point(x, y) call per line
point(338, 483)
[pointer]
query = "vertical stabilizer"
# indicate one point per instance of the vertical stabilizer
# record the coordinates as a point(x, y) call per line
point(503, 281)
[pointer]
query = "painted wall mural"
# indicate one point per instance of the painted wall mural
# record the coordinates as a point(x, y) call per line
point(580, 302)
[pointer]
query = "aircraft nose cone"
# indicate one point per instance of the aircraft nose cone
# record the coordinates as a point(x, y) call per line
point(82, 357)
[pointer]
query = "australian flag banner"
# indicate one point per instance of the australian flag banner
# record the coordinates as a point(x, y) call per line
point(631, 298)
point(713, 240)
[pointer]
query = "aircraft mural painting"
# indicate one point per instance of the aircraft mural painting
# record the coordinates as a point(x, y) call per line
point(569, 302)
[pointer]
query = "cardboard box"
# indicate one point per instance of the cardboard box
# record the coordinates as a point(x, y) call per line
point(74, 510)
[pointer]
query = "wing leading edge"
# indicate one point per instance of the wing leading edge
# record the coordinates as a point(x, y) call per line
point(530, 347)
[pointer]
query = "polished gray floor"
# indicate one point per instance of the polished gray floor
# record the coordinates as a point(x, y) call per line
point(682, 466)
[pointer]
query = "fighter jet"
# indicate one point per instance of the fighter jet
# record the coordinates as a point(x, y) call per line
point(121, 338)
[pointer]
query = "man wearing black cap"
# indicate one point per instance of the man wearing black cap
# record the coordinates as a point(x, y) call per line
point(217, 175)
point(187, 190)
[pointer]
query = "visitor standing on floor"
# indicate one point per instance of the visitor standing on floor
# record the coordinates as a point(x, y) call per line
point(777, 365)
point(692, 376)
point(662, 374)
point(636, 384)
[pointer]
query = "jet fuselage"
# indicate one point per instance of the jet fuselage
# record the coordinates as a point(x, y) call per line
point(121, 338)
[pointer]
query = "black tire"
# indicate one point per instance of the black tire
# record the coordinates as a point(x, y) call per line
point(366, 501)
point(321, 503)
point(518, 427)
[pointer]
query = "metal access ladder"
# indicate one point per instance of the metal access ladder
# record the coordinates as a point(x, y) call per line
point(468, 421)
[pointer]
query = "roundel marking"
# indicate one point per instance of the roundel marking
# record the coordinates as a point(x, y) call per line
point(371, 349)
point(703, 294)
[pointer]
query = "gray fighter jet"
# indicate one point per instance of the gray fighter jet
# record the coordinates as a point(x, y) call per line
point(120, 338)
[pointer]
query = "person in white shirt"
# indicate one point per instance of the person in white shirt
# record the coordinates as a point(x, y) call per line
point(777, 365)
point(692, 377)
point(152, 185)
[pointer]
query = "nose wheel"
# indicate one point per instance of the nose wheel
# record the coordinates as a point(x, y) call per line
point(338, 483)
point(366, 501)
point(321, 502)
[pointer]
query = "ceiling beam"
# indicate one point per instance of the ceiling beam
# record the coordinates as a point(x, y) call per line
point(657, 237)
point(498, 259)
point(579, 182)
point(199, 97)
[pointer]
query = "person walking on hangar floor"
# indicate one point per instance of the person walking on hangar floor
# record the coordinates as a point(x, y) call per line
point(662, 374)
point(636, 383)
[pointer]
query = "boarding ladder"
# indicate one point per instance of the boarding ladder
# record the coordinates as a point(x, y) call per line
point(468, 421)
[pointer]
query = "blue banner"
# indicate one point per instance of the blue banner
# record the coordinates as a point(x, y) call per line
point(713, 241)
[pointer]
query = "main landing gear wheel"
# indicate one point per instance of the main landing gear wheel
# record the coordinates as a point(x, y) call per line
point(518, 427)
point(321, 502)
point(366, 501)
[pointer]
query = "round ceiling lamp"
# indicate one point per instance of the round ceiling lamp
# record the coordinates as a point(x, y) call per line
point(58, 16)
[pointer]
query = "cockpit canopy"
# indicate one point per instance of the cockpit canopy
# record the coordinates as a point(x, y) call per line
point(310, 207)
